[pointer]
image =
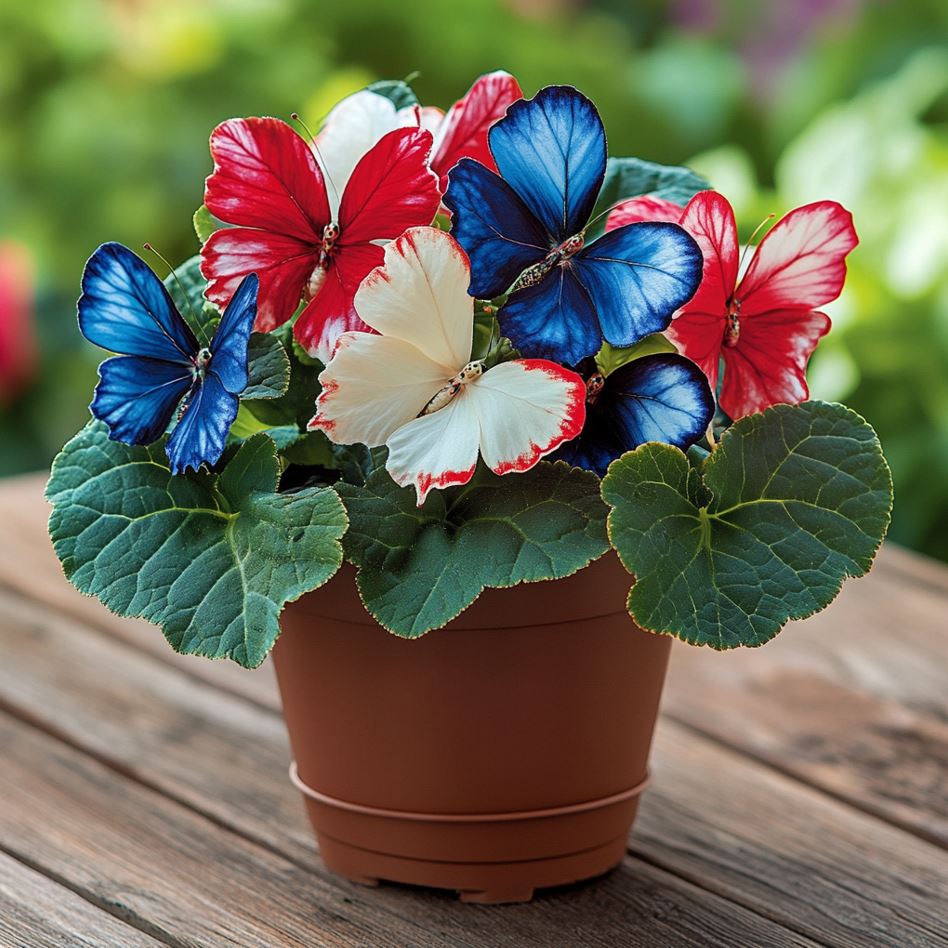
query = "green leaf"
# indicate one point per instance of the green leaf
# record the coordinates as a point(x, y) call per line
point(609, 358)
point(765, 530)
point(421, 567)
point(268, 367)
point(630, 177)
point(212, 559)
point(400, 93)
point(205, 223)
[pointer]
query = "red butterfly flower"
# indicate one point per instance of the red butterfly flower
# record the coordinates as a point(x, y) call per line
point(266, 181)
point(766, 325)
point(462, 131)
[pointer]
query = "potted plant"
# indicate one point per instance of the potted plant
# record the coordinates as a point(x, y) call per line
point(436, 388)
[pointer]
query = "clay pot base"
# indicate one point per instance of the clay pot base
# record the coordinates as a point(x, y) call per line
point(531, 839)
point(484, 883)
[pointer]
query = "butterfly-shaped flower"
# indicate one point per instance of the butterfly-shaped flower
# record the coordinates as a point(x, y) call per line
point(125, 308)
point(414, 388)
point(765, 324)
point(524, 231)
point(662, 397)
point(361, 119)
point(267, 182)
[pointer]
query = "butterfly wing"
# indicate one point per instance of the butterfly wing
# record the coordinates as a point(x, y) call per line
point(229, 345)
point(637, 276)
point(496, 229)
point(768, 365)
point(551, 150)
point(125, 308)
point(437, 450)
point(391, 189)
point(656, 398)
point(136, 397)
point(646, 207)
point(554, 319)
point(268, 183)
point(798, 266)
point(526, 409)
point(201, 433)
point(801, 262)
point(698, 330)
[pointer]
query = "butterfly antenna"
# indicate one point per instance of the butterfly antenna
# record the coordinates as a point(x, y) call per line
point(295, 116)
point(411, 77)
point(747, 246)
point(608, 210)
point(184, 293)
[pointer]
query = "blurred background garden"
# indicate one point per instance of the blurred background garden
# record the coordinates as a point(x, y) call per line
point(106, 106)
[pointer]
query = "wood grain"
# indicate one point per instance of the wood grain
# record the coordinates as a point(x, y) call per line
point(151, 722)
point(164, 868)
point(37, 912)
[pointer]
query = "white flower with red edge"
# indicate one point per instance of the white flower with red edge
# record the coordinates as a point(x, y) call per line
point(414, 388)
point(766, 323)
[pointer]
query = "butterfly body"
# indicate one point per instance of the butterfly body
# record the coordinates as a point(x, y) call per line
point(732, 329)
point(162, 371)
point(557, 257)
point(441, 398)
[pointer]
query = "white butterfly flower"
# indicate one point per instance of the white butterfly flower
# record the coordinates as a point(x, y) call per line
point(414, 388)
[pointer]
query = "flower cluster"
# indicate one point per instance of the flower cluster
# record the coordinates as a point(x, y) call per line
point(388, 318)
point(387, 236)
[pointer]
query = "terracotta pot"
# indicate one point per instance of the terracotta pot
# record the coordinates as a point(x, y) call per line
point(500, 754)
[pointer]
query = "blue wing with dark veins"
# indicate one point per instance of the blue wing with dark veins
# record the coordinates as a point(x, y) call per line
point(136, 397)
point(637, 277)
point(656, 398)
point(551, 150)
point(554, 319)
point(498, 233)
point(125, 308)
point(201, 433)
point(229, 345)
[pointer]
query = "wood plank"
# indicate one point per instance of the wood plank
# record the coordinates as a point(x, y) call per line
point(854, 700)
point(194, 883)
point(739, 838)
point(37, 912)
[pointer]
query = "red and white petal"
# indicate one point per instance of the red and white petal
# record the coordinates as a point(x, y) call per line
point(699, 337)
point(709, 218)
point(332, 312)
point(643, 208)
point(463, 133)
point(372, 387)
point(391, 189)
point(420, 295)
point(801, 262)
point(526, 409)
point(282, 264)
point(351, 129)
point(266, 176)
point(768, 364)
point(437, 450)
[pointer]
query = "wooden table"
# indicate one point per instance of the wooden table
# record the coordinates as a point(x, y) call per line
point(799, 793)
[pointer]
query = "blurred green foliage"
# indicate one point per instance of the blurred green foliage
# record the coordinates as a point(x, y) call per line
point(106, 106)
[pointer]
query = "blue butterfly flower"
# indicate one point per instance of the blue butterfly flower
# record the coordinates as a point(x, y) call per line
point(523, 230)
point(125, 308)
point(655, 398)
